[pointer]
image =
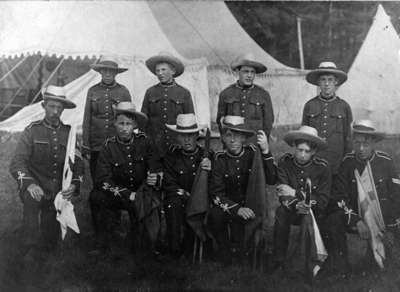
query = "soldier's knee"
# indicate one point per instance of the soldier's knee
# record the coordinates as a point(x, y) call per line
point(216, 216)
point(281, 215)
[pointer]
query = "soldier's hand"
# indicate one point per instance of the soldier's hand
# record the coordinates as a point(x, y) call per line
point(205, 164)
point(86, 153)
point(362, 229)
point(303, 208)
point(151, 178)
point(262, 141)
point(285, 190)
point(246, 213)
point(132, 196)
point(35, 191)
point(67, 194)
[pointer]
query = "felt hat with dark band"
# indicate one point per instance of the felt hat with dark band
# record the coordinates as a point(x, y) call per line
point(367, 127)
point(126, 107)
point(326, 68)
point(305, 133)
point(185, 124)
point(107, 63)
point(152, 62)
point(248, 60)
point(237, 124)
point(57, 93)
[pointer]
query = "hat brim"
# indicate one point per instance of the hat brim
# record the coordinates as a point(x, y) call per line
point(153, 61)
point(313, 76)
point(292, 136)
point(67, 103)
point(240, 129)
point(140, 117)
point(98, 67)
point(183, 131)
point(378, 136)
point(258, 67)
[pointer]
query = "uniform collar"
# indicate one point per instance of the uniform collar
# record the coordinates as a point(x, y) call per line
point(48, 125)
point(108, 86)
point(365, 161)
point(301, 165)
point(237, 84)
point(125, 143)
point(237, 155)
point(329, 99)
point(172, 84)
point(190, 153)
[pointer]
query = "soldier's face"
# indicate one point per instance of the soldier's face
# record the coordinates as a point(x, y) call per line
point(187, 141)
point(124, 126)
point(246, 75)
point(234, 141)
point(53, 110)
point(327, 84)
point(303, 153)
point(108, 75)
point(165, 72)
point(363, 146)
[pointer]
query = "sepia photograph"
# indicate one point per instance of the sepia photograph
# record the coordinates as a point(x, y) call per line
point(199, 146)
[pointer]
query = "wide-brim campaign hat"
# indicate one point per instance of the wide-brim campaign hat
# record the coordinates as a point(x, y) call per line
point(326, 68)
point(57, 93)
point(237, 124)
point(126, 107)
point(152, 62)
point(248, 60)
point(305, 133)
point(185, 124)
point(367, 127)
point(107, 63)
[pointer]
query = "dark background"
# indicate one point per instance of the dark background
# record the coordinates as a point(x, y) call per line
point(330, 30)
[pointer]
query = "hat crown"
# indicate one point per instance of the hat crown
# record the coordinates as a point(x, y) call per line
point(327, 65)
point(125, 105)
point(233, 120)
point(248, 57)
point(54, 91)
point(308, 130)
point(186, 120)
point(365, 125)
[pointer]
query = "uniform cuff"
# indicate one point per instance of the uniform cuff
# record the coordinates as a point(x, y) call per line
point(267, 156)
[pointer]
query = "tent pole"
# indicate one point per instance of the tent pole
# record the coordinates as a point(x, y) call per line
point(299, 37)
point(48, 79)
point(21, 87)
point(13, 68)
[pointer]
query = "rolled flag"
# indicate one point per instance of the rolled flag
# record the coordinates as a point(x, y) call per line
point(65, 209)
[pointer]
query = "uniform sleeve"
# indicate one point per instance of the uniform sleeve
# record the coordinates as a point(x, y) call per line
point(152, 158)
point(19, 167)
point(322, 193)
point(269, 168)
point(220, 111)
point(347, 130)
point(104, 175)
point(126, 96)
point(394, 184)
point(282, 175)
point(268, 114)
point(77, 176)
point(217, 188)
point(87, 120)
point(188, 106)
point(170, 182)
point(305, 120)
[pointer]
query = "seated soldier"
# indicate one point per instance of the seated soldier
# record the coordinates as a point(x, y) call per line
point(294, 170)
point(228, 184)
point(125, 162)
point(366, 192)
point(180, 166)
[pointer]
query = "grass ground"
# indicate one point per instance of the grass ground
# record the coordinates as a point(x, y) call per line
point(71, 268)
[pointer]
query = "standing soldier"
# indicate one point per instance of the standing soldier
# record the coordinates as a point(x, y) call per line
point(180, 166)
point(329, 114)
point(98, 119)
point(165, 100)
point(38, 165)
point(246, 99)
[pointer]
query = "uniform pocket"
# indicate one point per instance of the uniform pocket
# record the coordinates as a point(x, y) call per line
point(338, 121)
point(41, 149)
point(255, 110)
point(314, 119)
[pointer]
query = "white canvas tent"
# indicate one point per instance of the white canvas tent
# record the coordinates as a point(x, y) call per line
point(208, 29)
point(373, 87)
point(123, 29)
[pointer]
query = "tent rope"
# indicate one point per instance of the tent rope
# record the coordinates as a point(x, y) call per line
point(48, 79)
point(13, 68)
point(21, 87)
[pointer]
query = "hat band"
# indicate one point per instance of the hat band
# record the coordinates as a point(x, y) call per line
point(50, 95)
point(232, 125)
point(363, 128)
point(194, 126)
point(322, 68)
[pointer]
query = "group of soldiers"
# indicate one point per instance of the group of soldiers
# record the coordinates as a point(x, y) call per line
point(154, 153)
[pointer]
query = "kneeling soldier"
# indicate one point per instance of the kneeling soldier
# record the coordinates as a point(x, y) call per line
point(229, 183)
point(294, 170)
point(180, 166)
point(125, 162)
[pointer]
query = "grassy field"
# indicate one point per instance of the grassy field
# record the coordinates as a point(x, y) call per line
point(71, 268)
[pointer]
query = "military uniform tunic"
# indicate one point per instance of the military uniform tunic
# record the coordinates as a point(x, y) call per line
point(162, 103)
point(253, 103)
point(332, 118)
point(98, 119)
